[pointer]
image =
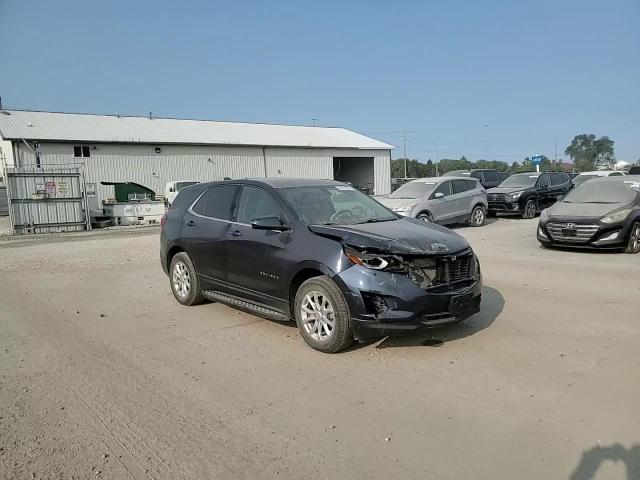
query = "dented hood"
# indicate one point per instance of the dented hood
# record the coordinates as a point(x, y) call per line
point(403, 236)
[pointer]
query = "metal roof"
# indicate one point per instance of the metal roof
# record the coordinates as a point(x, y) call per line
point(81, 127)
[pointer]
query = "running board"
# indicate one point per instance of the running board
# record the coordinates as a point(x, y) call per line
point(250, 307)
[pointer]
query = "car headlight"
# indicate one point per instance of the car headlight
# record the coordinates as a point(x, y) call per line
point(616, 217)
point(544, 216)
point(514, 195)
point(403, 209)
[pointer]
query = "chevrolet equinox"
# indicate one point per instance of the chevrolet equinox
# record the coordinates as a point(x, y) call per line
point(344, 266)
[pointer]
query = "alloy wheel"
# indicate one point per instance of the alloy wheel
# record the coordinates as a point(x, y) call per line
point(318, 317)
point(181, 279)
point(531, 209)
point(634, 242)
point(478, 216)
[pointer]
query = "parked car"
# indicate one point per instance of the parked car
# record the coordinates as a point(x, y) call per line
point(442, 200)
point(527, 193)
point(502, 176)
point(171, 189)
point(584, 176)
point(487, 177)
point(601, 213)
point(343, 265)
point(635, 170)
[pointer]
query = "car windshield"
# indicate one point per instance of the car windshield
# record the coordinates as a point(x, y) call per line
point(520, 180)
point(603, 192)
point(335, 205)
point(580, 179)
point(415, 189)
point(181, 185)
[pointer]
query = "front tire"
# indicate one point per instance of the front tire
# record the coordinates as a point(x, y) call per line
point(184, 281)
point(530, 209)
point(323, 316)
point(425, 217)
point(477, 216)
point(633, 245)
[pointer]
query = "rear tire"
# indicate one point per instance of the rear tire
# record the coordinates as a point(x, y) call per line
point(633, 244)
point(184, 280)
point(323, 316)
point(477, 216)
point(425, 217)
point(530, 209)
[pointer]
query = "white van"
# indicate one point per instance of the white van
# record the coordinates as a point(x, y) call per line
point(171, 190)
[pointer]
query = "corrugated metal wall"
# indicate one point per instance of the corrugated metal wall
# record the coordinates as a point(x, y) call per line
point(140, 163)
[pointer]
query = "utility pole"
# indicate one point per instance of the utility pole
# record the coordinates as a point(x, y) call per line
point(314, 121)
point(404, 141)
point(555, 151)
point(437, 162)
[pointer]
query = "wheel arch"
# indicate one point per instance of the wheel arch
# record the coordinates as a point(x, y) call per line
point(304, 272)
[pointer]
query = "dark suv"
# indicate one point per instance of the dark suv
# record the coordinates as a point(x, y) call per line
point(487, 177)
point(528, 193)
point(344, 266)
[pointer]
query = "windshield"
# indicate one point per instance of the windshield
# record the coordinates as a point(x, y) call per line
point(181, 185)
point(520, 180)
point(457, 173)
point(415, 189)
point(580, 179)
point(335, 205)
point(602, 192)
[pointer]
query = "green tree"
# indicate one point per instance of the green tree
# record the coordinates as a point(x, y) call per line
point(589, 152)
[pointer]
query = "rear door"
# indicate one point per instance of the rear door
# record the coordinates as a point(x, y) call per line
point(204, 231)
point(257, 264)
point(443, 209)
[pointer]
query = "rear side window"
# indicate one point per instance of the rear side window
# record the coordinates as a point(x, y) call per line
point(444, 188)
point(257, 203)
point(490, 177)
point(460, 186)
point(477, 175)
point(559, 178)
point(217, 202)
point(472, 184)
point(185, 198)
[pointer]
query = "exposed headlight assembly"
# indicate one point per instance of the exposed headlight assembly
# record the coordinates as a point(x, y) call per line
point(372, 261)
point(616, 217)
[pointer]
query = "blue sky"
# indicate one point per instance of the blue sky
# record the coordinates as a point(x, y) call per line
point(532, 72)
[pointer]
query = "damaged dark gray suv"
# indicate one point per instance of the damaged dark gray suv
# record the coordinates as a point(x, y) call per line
point(344, 266)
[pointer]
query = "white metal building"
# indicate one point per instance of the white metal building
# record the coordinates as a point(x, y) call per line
point(153, 151)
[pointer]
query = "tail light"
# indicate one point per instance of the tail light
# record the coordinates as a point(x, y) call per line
point(163, 220)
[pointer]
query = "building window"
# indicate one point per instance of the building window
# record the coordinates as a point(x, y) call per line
point(80, 151)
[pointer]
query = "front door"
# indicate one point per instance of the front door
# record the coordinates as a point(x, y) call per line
point(545, 192)
point(256, 257)
point(443, 209)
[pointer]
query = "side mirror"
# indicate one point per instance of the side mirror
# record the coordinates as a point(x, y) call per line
point(269, 223)
point(439, 195)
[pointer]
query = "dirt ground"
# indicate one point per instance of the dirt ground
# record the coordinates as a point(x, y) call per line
point(104, 375)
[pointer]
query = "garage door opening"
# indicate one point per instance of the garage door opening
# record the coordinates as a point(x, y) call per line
point(358, 171)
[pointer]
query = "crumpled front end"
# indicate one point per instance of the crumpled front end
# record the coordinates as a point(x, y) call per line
point(394, 294)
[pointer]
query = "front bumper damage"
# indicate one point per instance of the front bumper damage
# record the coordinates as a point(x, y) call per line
point(386, 303)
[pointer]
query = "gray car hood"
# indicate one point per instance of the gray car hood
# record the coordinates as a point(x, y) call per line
point(398, 202)
point(587, 210)
point(403, 236)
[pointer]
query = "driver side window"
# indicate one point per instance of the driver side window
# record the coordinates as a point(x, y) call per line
point(257, 203)
point(444, 188)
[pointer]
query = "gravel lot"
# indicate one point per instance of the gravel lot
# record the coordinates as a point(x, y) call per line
point(103, 374)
